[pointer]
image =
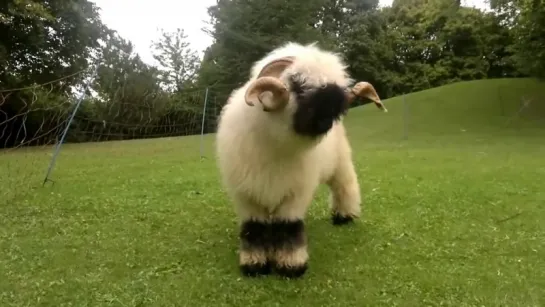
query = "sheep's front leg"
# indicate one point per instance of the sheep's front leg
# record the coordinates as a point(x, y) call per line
point(345, 198)
point(288, 237)
point(254, 240)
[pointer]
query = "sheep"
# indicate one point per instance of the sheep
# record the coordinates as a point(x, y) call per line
point(272, 157)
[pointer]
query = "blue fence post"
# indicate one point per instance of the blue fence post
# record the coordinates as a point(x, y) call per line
point(58, 147)
point(203, 120)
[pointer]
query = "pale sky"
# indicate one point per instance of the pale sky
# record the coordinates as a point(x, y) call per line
point(140, 20)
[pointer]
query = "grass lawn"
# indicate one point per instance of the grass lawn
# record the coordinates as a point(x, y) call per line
point(453, 216)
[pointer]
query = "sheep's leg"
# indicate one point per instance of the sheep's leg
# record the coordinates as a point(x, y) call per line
point(254, 238)
point(344, 198)
point(288, 238)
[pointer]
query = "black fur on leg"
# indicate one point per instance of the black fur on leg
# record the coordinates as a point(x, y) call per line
point(339, 219)
point(254, 270)
point(254, 234)
point(254, 238)
point(286, 238)
point(292, 272)
point(287, 234)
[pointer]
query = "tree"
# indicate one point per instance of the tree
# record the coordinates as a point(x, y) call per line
point(127, 87)
point(129, 101)
point(45, 40)
point(526, 18)
point(244, 31)
point(42, 41)
point(436, 42)
point(366, 44)
point(410, 46)
point(179, 63)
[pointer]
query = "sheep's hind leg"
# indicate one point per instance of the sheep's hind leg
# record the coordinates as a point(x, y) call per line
point(289, 240)
point(254, 241)
point(344, 198)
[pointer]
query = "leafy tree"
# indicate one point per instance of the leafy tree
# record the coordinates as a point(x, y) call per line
point(179, 63)
point(127, 87)
point(42, 41)
point(410, 46)
point(367, 46)
point(438, 42)
point(527, 18)
point(244, 31)
point(45, 40)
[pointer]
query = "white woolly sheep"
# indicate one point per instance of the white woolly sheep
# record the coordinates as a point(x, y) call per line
point(273, 157)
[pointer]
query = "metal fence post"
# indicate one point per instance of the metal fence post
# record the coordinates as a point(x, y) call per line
point(61, 141)
point(203, 120)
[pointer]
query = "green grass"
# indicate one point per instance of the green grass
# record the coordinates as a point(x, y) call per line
point(453, 216)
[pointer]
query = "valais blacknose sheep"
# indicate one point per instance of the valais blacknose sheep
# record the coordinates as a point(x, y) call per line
point(279, 136)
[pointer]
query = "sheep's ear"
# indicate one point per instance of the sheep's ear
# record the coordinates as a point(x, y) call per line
point(276, 67)
point(365, 90)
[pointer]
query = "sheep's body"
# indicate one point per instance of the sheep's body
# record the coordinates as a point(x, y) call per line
point(271, 163)
point(271, 178)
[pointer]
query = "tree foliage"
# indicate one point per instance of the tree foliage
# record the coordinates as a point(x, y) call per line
point(45, 40)
point(42, 41)
point(527, 20)
point(409, 46)
point(178, 61)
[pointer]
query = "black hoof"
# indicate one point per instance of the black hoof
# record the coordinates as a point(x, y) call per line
point(254, 270)
point(292, 272)
point(339, 219)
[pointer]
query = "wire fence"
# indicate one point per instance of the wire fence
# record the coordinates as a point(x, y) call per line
point(36, 125)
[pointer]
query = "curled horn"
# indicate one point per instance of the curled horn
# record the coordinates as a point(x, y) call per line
point(365, 90)
point(268, 80)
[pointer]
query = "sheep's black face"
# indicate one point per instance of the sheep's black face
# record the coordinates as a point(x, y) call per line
point(317, 108)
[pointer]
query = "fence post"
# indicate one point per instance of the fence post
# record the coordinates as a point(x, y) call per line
point(203, 120)
point(215, 114)
point(61, 141)
point(405, 118)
